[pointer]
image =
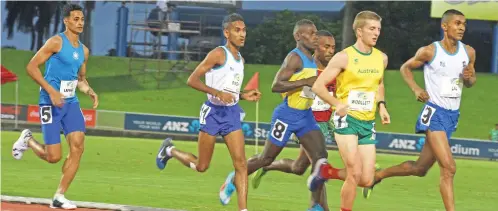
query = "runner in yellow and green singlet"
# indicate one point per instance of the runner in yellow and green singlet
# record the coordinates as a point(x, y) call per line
point(359, 72)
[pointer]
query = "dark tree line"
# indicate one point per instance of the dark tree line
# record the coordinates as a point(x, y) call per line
point(21, 14)
point(406, 26)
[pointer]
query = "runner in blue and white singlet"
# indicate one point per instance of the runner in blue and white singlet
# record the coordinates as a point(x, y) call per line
point(443, 83)
point(448, 67)
point(220, 115)
point(217, 117)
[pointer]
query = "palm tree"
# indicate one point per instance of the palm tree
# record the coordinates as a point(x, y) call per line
point(347, 24)
point(86, 37)
point(22, 13)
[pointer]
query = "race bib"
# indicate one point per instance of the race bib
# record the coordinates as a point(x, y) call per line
point(233, 83)
point(361, 101)
point(307, 93)
point(320, 105)
point(451, 87)
point(68, 88)
point(242, 116)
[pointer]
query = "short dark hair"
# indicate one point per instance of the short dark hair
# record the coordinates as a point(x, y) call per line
point(324, 33)
point(449, 13)
point(68, 8)
point(302, 22)
point(231, 18)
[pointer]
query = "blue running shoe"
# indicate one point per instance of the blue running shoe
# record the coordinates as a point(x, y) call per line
point(227, 189)
point(162, 157)
point(319, 174)
point(317, 207)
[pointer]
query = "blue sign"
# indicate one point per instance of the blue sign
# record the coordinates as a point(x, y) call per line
point(166, 124)
point(251, 132)
point(185, 125)
point(386, 141)
point(414, 143)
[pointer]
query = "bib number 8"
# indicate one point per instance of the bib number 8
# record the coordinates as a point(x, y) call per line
point(278, 130)
point(46, 114)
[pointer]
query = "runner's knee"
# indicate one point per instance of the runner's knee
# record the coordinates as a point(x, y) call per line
point(77, 149)
point(76, 143)
point(240, 163)
point(353, 174)
point(53, 158)
point(366, 182)
point(353, 170)
point(449, 170)
point(202, 167)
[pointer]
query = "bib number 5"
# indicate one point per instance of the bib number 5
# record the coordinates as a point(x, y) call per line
point(46, 114)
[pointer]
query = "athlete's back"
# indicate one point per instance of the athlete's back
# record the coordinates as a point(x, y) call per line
point(443, 76)
point(61, 71)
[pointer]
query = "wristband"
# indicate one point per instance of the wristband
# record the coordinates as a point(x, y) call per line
point(381, 102)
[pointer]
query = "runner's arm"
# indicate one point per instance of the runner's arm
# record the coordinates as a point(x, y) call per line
point(214, 58)
point(423, 55)
point(333, 69)
point(52, 46)
point(281, 83)
point(83, 84)
point(472, 59)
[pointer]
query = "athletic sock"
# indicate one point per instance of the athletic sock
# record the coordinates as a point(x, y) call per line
point(58, 195)
point(168, 150)
point(333, 173)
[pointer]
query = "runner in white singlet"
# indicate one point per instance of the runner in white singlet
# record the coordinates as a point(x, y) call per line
point(448, 67)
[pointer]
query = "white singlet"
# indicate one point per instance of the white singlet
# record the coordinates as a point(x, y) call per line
point(227, 78)
point(443, 76)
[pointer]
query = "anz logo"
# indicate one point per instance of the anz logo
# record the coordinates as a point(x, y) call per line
point(407, 144)
point(176, 126)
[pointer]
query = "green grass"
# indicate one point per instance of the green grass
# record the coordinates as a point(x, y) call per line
point(122, 171)
point(140, 93)
point(113, 120)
